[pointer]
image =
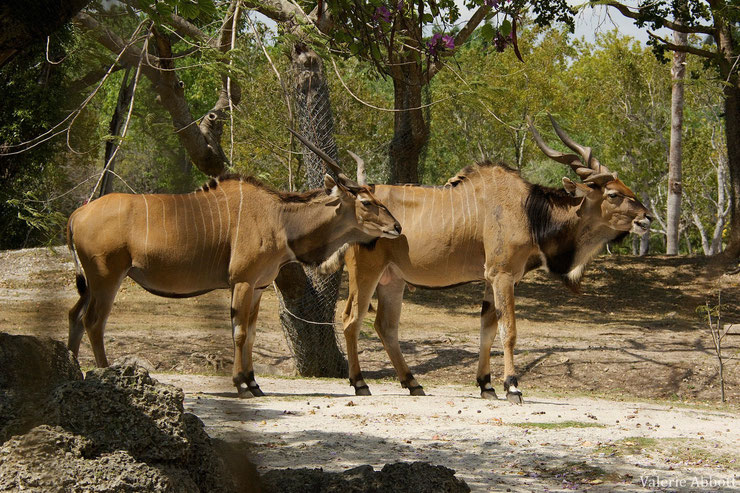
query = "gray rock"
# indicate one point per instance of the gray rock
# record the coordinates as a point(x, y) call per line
point(31, 369)
point(123, 408)
point(400, 477)
point(50, 459)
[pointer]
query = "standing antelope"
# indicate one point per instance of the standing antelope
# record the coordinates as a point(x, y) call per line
point(233, 233)
point(486, 223)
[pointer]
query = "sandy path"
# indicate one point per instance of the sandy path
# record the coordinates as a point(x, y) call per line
point(549, 444)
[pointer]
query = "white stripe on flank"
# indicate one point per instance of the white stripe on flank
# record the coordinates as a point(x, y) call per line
point(431, 214)
point(164, 219)
point(193, 274)
point(423, 209)
point(213, 227)
point(238, 217)
point(146, 237)
point(475, 201)
point(177, 226)
point(452, 229)
point(403, 201)
point(205, 240)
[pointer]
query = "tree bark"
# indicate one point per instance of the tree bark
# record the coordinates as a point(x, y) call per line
point(201, 141)
point(125, 94)
point(732, 130)
point(673, 213)
point(410, 129)
point(309, 299)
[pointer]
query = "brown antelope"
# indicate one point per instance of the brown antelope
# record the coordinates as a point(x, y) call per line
point(233, 233)
point(486, 223)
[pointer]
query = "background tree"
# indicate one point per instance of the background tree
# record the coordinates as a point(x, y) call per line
point(394, 39)
point(718, 21)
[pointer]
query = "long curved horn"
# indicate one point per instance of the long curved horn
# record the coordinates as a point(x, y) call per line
point(324, 156)
point(569, 159)
point(361, 176)
point(587, 156)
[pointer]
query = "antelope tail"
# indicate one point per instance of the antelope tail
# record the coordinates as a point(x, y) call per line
point(333, 263)
point(80, 276)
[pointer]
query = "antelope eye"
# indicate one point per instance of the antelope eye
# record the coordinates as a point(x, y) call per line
point(366, 202)
point(612, 195)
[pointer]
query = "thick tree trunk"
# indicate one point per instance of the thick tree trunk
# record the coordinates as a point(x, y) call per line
point(410, 129)
point(732, 129)
point(309, 299)
point(673, 213)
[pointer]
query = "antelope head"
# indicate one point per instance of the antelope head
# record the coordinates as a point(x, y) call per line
point(371, 216)
point(608, 199)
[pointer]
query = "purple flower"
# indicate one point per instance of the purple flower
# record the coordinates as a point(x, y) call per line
point(492, 3)
point(440, 42)
point(382, 13)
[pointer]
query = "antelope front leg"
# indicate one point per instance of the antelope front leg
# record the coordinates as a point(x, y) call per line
point(243, 318)
point(487, 335)
point(503, 295)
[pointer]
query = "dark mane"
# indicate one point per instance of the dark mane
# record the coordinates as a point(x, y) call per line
point(288, 197)
point(539, 206)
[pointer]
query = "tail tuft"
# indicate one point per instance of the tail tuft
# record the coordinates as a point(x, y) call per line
point(81, 284)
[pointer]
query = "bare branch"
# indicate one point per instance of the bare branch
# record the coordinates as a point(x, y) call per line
point(674, 26)
point(684, 48)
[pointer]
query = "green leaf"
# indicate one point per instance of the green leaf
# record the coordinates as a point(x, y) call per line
point(428, 18)
point(505, 28)
point(189, 10)
point(487, 32)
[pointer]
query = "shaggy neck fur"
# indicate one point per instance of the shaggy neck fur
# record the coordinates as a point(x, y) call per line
point(566, 241)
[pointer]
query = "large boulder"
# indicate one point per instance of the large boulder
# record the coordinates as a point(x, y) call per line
point(400, 477)
point(116, 430)
point(49, 460)
point(31, 369)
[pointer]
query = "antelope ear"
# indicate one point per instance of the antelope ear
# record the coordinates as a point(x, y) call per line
point(575, 189)
point(330, 186)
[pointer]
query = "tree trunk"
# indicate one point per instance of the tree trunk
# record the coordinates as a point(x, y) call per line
point(732, 130)
point(125, 94)
point(673, 213)
point(309, 300)
point(410, 129)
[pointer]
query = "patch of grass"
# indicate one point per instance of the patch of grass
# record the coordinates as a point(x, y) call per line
point(628, 446)
point(581, 472)
point(687, 450)
point(557, 425)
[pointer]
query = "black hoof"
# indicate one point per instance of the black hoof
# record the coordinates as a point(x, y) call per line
point(243, 393)
point(417, 391)
point(489, 394)
point(364, 390)
point(514, 397)
point(256, 392)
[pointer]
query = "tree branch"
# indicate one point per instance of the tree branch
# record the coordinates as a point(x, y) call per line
point(684, 48)
point(460, 39)
point(674, 26)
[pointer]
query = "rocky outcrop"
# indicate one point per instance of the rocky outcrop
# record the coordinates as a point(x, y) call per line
point(31, 369)
point(117, 429)
point(401, 477)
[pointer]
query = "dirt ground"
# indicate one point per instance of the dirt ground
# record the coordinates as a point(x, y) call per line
point(634, 335)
